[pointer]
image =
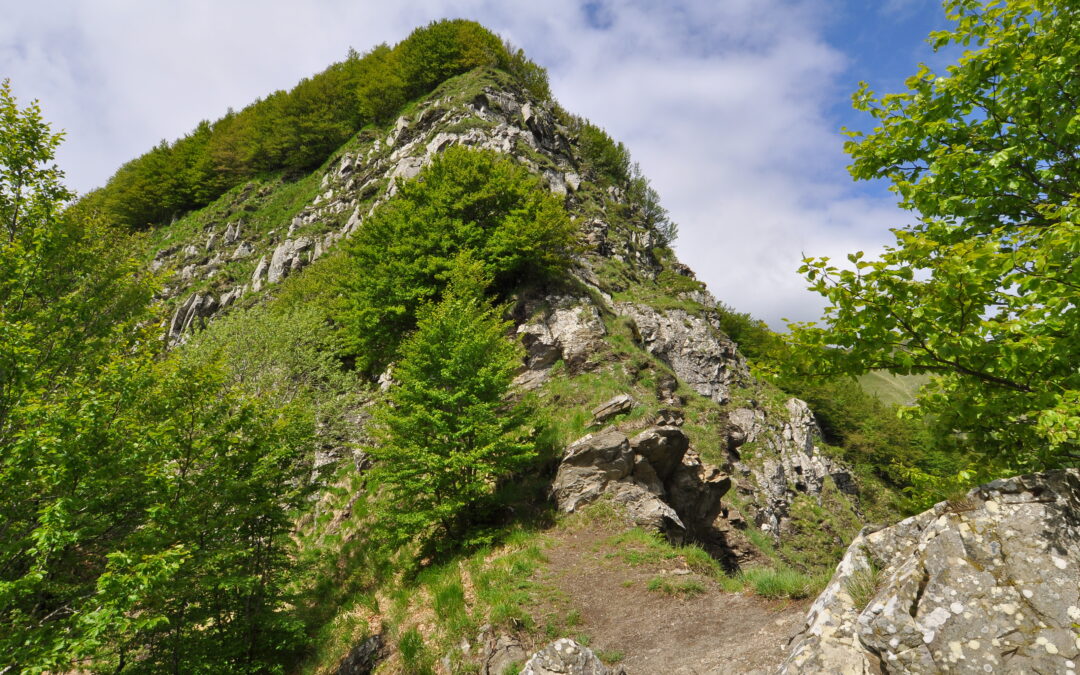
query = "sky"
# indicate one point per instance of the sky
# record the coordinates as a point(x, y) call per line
point(733, 108)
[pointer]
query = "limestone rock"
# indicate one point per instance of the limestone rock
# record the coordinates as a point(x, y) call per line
point(502, 653)
point(696, 350)
point(190, 314)
point(623, 403)
point(287, 258)
point(570, 329)
point(566, 657)
point(986, 583)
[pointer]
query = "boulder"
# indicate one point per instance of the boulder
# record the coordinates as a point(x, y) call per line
point(659, 482)
point(623, 403)
point(989, 582)
point(566, 657)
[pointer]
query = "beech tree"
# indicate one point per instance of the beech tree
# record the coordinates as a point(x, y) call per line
point(445, 434)
point(982, 290)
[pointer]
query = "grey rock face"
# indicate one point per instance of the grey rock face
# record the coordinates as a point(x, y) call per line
point(787, 461)
point(570, 329)
point(603, 464)
point(696, 350)
point(566, 657)
point(287, 258)
point(193, 312)
point(989, 583)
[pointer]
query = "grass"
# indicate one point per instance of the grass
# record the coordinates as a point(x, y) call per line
point(782, 582)
point(609, 656)
point(864, 583)
point(678, 587)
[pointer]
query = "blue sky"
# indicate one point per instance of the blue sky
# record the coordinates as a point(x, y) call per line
point(732, 107)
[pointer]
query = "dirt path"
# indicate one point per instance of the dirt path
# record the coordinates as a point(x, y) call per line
point(660, 632)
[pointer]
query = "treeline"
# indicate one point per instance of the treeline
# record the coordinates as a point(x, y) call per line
point(297, 130)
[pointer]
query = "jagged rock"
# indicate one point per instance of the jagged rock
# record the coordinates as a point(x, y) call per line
point(243, 250)
point(663, 447)
point(986, 583)
point(259, 275)
point(287, 258)
point(623, 403)
point(190, 251)
point(566, 657)
point(571, 330)
point(501, 654)
point(603, 464)
point(232, 233)
point(696, 350)
point(669, 418)
point(662, 485)
point(363, 658)
point(786, 463)
point(190, 313)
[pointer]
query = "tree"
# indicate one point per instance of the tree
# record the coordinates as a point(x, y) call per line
point(144, 504)
point(445, 435)
point(982, 290)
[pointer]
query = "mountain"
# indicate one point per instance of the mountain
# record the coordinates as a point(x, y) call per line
point(635, 459)
point(627, 319)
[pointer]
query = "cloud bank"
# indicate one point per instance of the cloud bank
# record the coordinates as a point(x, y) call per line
point(724, 104)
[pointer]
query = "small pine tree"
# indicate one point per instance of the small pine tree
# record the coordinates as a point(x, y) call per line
point(445, 434)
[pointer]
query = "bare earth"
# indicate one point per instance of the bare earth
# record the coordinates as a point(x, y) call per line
point(658, 633)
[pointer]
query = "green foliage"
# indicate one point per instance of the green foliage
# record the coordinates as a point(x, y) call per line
point(297, 130)
point(605, 157)
point(144, 504)
point(465, 201)
point(445, 437)
point(442, 49)
point(981, 291)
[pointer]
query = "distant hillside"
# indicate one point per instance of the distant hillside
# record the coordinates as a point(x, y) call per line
point(893, 389)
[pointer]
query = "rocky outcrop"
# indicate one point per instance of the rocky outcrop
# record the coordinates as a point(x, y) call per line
point(659, 481)
point(566, 328)
point(191, 313)
point(986, 583)
point(566, 657)
point(699, 353)
point(777, 457)
point(604, 464)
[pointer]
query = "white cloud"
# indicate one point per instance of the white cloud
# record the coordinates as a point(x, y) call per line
point(722, 103)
